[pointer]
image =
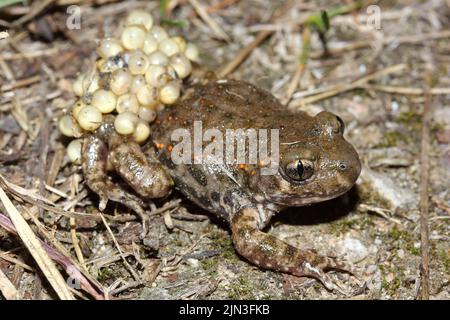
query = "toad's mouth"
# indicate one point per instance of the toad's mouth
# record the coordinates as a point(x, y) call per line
point(296, 200)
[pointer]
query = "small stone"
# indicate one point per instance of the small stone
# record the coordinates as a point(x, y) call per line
point(401, 253)
point(371, 269)
point(193, 262)
point(389, 277)
point(353, 249)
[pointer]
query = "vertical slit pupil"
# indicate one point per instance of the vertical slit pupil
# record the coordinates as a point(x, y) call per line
point(300, 168)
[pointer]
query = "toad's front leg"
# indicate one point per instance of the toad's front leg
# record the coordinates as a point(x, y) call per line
point(268, 252)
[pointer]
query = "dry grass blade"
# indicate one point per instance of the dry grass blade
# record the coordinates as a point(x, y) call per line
point(40, 201)
point(32, 243)
point(63, 259)
point(263, 35)
point(203, 13)
point(7, 288)
point(35, 10)
point(133, 273)
point(340, 88)
point(409, 91)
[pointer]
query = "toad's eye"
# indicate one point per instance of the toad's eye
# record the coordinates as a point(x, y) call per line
point(299, 170)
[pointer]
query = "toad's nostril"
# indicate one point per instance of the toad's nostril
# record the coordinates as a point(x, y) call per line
point(342, 166)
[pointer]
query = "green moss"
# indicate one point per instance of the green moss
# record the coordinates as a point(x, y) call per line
point(391, 139)
point(344, 225)
point(210, 265)
point(437, 127)
point(406, 238)
point(222, 241)
point(392, 287)
point(105, 274)
point(443, 257)
point(241, 289)
point(367, 196)
point(410, 118)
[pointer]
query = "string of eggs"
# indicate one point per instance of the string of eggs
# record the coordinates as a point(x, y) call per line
point(134, 77)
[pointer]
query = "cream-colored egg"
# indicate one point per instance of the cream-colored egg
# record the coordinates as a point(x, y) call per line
point(156, 75)
point(126, 122)
point(120, 81)
point(169, 46)
point(142, 132)
point(137, 82)
point(181, 64)
point(147, 96)
point(138, 62)
point(150, 44)
point(77, 107)
point(77, 86)
point(127, 102)
point(133, 37)
point(158, 57)
point(181, 43)
point(146, 114)
point(192, 52)
point(65, 125)
point(89, 118)
point(104, 100)
point(170, 92)
point(74, 151)
point(159, 33)
point(140, 17)
point(109, 47)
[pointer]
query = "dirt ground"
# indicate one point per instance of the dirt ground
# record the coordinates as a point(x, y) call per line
point(385, 78)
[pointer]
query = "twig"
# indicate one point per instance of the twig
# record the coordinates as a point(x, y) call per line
point(263, 35)
point(221, 5)
point(6, 257)
point(20, 83)
point(167, 206)
point(423, 191)
point(380, 211)
point(38, 8)
point(133, 273)
point(42, 202)
point(203, 13)
point(410, 39)
point(340, 88)
point(301, 66)
point(409, 91)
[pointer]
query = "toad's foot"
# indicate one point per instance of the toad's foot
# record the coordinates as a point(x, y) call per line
point(94, 160)
point(268, 252)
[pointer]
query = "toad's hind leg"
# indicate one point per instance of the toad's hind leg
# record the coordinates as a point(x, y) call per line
point(268, 252)
point(94, 161)
point(148, 179)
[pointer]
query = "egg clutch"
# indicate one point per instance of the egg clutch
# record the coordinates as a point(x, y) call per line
point(135, 76)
